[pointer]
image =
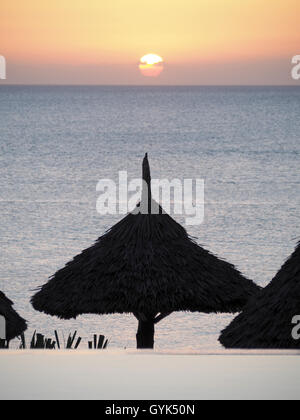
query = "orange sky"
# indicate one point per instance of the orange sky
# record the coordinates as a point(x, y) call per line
point(101, 41)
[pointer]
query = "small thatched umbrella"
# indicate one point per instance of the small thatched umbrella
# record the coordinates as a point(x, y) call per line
point(146, 265)
point(266, 321)
point(15, 325)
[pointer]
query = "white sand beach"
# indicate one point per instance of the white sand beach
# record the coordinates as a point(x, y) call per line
point(144, 375)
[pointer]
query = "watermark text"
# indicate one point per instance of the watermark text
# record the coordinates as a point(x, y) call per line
point(2, 68)
point(296, 67)
point(296, 329)
point(176, 197)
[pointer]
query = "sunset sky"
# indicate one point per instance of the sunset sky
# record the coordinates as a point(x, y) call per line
point(102, 41)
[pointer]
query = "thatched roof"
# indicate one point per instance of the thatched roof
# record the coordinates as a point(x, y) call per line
point(147, 264)
point(266, 321)
point(15, 325)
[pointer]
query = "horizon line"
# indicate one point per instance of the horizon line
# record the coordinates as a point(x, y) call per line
point(144, 85)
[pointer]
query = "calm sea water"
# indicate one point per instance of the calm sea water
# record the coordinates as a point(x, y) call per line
point(57, 142)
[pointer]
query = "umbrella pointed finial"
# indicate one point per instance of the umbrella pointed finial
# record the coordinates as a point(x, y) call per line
point(146, 195)
point(146, 170)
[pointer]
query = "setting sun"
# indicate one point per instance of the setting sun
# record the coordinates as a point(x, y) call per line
point(151, 65)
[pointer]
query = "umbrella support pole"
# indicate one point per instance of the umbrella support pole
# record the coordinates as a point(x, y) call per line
point(145, 335)
point(4, 344)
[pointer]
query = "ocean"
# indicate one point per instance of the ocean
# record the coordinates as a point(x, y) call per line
point(56, 143)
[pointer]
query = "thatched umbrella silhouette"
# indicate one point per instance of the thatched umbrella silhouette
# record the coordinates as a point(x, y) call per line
point(266, 321)
point(146, 265)
point(15, 325)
